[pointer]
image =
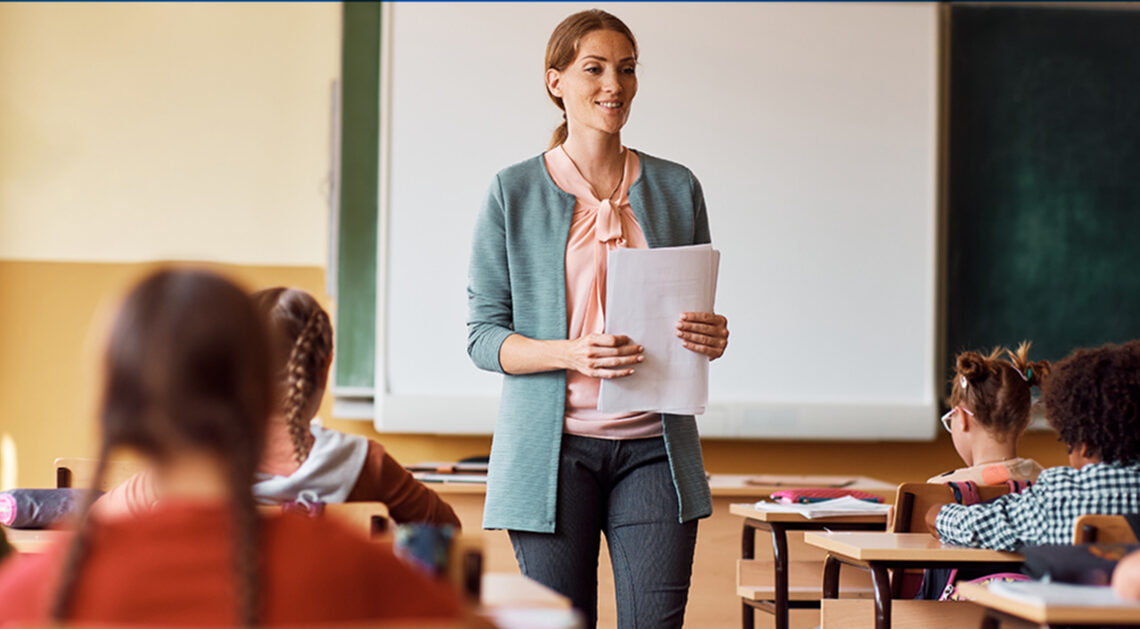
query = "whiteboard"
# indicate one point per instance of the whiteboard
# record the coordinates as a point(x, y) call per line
point(813, 130)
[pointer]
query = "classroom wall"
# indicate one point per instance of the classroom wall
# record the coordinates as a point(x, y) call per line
point(131, 133)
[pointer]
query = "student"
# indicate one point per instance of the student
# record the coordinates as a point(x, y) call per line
point(187, 385)
point(989, 409)
point(1092, 399)
point(301, 458)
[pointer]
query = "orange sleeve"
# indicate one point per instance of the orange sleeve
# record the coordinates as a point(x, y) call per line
point(383, 478)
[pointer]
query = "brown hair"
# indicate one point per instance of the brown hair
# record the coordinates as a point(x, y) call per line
point(998, 390)
point(562, 50)
point(186, 369)
point(301, 340)
point(1092, 398)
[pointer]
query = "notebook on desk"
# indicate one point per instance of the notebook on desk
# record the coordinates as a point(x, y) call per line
point(1063, 594)
point(436, 477)
point(448, 467)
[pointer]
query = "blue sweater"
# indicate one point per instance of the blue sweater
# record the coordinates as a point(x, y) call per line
point(517, 284)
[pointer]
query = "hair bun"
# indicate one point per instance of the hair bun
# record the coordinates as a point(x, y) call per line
point(971, 366)
point(1038, 372)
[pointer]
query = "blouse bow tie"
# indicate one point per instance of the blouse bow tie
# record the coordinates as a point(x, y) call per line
point(608, 226)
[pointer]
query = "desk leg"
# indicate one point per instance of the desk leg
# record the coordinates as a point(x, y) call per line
point(747, 551)
point(881, 581)
point(830, 577)
point(780, 557)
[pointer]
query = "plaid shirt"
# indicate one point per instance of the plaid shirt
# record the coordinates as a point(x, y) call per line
point(1044, 513)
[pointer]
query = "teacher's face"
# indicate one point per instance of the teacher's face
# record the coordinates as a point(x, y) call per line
point(598, 86)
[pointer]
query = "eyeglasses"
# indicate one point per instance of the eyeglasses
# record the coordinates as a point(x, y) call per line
point(950, 413)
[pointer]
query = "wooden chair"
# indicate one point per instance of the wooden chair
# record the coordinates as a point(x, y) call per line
point(79, 472)
point(368, 518)
point(913, 500)
point(1103, 529)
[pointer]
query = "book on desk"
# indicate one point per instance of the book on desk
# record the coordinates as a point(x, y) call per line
point(449, 472)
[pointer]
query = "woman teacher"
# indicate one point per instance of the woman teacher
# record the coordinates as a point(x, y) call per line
point(561, 472)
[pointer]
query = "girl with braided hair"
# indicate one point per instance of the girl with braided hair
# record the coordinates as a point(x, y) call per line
point(303, 460)
point(301, 455)
point(187, 385)
point(990, 399)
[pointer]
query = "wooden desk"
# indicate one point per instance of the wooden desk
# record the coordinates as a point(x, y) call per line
point(778, 524)
point(713, 601)
point(880, 552)
point(512, 601)
point(33, 540)
point(1000, 609)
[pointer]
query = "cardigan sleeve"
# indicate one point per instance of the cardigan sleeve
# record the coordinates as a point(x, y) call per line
point(489, 306)
point(701, 234)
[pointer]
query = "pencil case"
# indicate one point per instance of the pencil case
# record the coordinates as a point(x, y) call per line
point(819, 494)
point(39, 508)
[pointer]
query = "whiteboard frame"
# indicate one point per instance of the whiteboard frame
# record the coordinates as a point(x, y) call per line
point(463, 414)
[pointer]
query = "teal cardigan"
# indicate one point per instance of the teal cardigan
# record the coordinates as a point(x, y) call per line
point(517, 283)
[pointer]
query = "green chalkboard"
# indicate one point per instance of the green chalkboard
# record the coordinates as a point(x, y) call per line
point(1043, 199)
point(356, 224)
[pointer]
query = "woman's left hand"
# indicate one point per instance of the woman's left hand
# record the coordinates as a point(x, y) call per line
point(704, 332)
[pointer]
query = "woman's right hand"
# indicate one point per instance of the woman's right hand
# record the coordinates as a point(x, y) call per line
point(603, 355)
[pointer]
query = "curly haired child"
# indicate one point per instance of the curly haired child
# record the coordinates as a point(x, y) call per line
point(1092, 400)
point(990, 400)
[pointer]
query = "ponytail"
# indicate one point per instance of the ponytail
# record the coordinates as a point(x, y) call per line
point(560, 134)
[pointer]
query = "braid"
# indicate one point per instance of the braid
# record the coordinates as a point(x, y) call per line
point(307, 359)
point(61, 605)
point(246, 546)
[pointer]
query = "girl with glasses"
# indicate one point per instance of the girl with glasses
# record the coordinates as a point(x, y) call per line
point(990, 399)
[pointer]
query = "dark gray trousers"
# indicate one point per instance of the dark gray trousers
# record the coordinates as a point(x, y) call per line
point(624, 490)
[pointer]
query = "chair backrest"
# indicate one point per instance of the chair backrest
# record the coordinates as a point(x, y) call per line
point(1103, 529)
point(368, 518)
point(913, 500)
point(79, 472)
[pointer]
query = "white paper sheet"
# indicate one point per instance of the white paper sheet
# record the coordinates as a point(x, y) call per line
point(646, 292)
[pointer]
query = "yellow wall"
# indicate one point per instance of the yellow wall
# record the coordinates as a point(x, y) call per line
point(139, 132)
point(50, 329)
point(144, 131)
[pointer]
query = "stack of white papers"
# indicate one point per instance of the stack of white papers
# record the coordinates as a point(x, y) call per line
point(646, 292)
point(1060, 594)
point(826, 508)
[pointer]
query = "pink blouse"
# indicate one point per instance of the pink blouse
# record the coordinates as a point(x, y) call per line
point(597, 227)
